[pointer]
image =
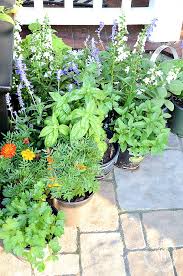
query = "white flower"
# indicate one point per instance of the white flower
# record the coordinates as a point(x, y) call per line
point(122, 56)
point(46, 55)
point(139, 92)
point(147, 80)
point(124, 38)
point(127, 69)
point(159, 73)
point(172, 75)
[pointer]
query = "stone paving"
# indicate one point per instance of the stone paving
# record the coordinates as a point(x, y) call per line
point(125, 235)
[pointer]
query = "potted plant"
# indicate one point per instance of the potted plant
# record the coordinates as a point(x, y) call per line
point(29, 229)
point(140, 130)
point(73, 169)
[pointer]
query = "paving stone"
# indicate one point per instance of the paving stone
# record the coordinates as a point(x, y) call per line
point(178, 261)
point(157, 184)
point(68, 242)
point(101, 211)
point(66, 265)
point(150, 263)
point(133, 233)
point(101, 254)
point(164, 228)
point(12, 266)
point(173, 141)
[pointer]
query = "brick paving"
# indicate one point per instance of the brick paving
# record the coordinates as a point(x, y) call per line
point(115, 242)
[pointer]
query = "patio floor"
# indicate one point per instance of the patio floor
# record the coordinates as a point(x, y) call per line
point(134, 225)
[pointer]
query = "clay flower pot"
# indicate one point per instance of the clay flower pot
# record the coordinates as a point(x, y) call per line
point(73, 211)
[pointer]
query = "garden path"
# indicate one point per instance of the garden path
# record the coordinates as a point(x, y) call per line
point(134, 225)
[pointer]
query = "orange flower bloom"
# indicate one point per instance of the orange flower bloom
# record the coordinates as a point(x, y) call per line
point(8, 150)
point(81, 167)
point(54, 185)
point(50, 159)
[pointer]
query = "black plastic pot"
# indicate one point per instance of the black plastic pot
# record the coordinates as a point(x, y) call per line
point(6, 59)
point(176, 121)
point(124, 161)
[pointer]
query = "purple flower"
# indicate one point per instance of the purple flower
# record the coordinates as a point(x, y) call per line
point(114, 30)
point(151, 28)
point(98, 31)
point(100, 28)
point(59, 74)
point(21, 71)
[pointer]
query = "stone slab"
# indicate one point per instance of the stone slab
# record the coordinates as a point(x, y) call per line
point(173, 141)
point(164, 228)
point(150, 263)
point(132, 229)
point(101, 254)
point(157, 184)
point(101, 211)
point(68, 241)
point(178, 261)
point(66, 265)
point(12, 266)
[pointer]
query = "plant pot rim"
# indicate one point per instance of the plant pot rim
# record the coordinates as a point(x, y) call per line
point(117, 147)
point(174, 102)
point(73, 204)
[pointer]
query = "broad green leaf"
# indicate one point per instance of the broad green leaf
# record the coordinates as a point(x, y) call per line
point(46, 131)
point(176, 87)
point(56, 96)
point(6, 18)
point(51, 139)
point(162, 92)
point(63, 129)
point(79, 130)
point(169, 105)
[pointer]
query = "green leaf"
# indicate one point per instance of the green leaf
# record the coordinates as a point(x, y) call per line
point(46, 131)
point(63, 129)
point(162, 92)
point(54, 245)
point(51, 139)
point(176, 87)
point(56, 96)
point(6, 18)
point(169, 105)
point(79, 129)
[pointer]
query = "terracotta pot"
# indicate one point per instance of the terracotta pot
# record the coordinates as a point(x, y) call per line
point(73, 211)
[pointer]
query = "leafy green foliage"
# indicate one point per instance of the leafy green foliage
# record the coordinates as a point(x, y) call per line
point(29, 229)
point(74, 169)
point(80, 114)
point(141, 129)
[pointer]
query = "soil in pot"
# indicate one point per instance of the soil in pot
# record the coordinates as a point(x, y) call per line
point(75, 210)
point(125, 161)
point(109, 154)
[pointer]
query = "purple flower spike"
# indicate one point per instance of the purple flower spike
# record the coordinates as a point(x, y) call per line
point(151, 28)
point(114, 30)
point(59, 74)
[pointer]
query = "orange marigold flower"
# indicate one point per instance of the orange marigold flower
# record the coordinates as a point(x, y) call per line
point(8, 150)
point(81, 167)
point(50, 159)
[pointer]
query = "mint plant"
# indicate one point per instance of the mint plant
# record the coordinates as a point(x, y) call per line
point(141, 129)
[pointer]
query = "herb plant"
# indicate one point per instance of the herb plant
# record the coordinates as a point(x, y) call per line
point(29, 229)
point(141, 129)
point(73, 169)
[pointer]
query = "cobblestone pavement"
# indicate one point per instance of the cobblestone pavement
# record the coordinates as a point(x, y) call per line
point(117, 239)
